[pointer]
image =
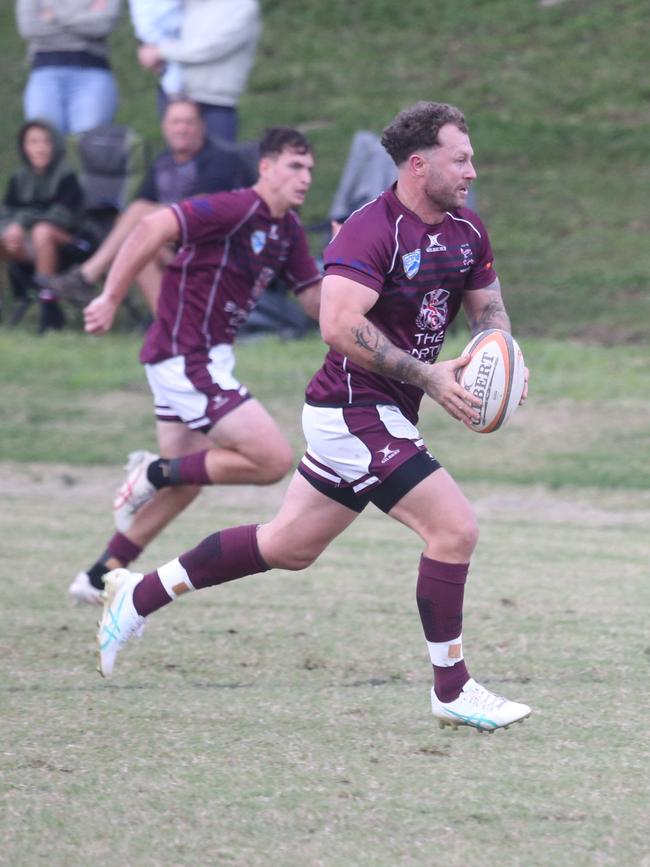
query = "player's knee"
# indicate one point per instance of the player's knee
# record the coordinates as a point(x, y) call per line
point(282, 548)
point(456, 541)
point(41, 233)
point(276, 463)
point(293, 561)
point(466, 536)
point(139, 207)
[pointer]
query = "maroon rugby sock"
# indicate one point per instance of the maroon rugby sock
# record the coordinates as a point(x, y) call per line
point(122, 549)
point(440, 592)
point(221, 557)
point(188, 470)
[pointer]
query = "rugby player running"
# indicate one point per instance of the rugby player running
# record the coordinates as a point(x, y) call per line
point(395, 277)
point(210, 429)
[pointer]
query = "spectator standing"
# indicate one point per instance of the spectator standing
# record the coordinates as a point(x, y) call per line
point(71, 83)
point(41, 208)
point(190, 164)
point(155, 21)
point(216, 49)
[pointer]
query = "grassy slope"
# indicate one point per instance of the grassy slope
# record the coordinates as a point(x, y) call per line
point(557, 100)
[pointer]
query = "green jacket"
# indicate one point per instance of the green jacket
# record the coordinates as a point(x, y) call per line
point(55, 196)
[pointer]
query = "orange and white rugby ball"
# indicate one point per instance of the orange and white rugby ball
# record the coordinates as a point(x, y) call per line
point(495, 374)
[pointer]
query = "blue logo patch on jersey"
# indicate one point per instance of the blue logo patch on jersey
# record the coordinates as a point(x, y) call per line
point(411, 262)
point(258, 242)
point(202, 207)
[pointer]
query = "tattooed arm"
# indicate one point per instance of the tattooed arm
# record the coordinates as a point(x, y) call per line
point(347, 329)
point(484, 308)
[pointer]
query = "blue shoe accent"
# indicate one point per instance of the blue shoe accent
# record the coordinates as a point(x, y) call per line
point(475, 719)
point(112, 634)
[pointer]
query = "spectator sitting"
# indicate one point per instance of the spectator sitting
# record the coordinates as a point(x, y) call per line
point(216, 50)
point(71, 83)
point(191, 164)
point(41, 208)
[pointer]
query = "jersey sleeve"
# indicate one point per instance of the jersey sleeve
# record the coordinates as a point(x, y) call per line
point(300, 269)
point(205, 218)
point(359, 251)
point(482, 272)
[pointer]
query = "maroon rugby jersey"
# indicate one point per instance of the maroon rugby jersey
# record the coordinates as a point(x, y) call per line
point(420, 273)
point(231, 249)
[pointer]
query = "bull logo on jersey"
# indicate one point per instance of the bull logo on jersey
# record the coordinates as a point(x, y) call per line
point(433, 310)
point(263, 279)
point(411, 262)
point(468, 257)
point(258, 241)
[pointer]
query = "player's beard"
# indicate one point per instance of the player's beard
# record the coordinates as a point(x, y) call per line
point(445, 198)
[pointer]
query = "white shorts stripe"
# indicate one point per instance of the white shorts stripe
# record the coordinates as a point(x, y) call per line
point(319, 471)
point(371, 480)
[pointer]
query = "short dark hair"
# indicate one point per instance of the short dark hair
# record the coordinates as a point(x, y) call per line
point(417, 127)
point(181, 99)
point(279, 138)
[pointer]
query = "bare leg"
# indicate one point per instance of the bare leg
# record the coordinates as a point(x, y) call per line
point(14, 254)
point(250, 448)
point(305, 525)
point(46, 239)
point(174, 440)
point(438, 511)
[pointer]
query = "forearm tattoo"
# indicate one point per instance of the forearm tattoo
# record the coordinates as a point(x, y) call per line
point(385, 357)
point(493, 315)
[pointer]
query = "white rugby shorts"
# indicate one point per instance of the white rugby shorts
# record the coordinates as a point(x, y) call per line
point(357, 446)
point(196, 391)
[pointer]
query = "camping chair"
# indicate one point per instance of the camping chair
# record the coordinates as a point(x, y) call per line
point(110, 161)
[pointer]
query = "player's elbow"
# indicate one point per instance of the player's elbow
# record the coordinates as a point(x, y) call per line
point(159, 226)
point(330, 327)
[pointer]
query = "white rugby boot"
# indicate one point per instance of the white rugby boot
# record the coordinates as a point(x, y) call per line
point(476, 706)
point(120, 621)
point(81, 591)
point(135, 490)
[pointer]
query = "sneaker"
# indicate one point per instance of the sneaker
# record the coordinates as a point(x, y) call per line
point(478, 707)
point(135, 490)
point(72, 286)
point(82, 591)
point(120, 621)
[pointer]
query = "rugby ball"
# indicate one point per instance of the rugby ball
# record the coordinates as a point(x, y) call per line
point(495, 374)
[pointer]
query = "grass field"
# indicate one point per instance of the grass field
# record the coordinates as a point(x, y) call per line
point(284, 719)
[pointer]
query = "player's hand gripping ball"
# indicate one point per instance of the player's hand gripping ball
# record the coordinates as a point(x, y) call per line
point(496, 375)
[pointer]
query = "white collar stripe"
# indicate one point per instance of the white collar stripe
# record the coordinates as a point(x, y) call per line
point(460, 220)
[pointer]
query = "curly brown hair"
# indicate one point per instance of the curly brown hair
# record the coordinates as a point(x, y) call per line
point(417, 127)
